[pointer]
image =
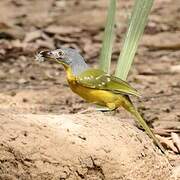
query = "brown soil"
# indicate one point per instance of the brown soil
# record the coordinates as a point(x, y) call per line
point(37, 141)
point(90, 146)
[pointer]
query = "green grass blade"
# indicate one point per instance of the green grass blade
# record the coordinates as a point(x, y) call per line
point(135, 30)
point(106, 51)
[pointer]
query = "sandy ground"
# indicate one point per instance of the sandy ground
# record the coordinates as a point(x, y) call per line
point(35, 99)
point(91, 146)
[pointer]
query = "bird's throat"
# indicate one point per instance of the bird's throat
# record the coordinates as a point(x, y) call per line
point(69, 73)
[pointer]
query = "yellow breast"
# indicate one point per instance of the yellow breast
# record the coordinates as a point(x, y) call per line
point(96, 96)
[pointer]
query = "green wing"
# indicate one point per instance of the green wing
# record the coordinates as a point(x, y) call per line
point(97, 79)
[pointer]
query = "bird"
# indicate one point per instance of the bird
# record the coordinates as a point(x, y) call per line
point(97, 86)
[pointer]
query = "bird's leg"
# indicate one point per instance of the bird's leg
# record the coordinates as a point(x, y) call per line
point(105, 110)
point(102, 108)
point(98, 108)
point(88, 110)
point(95, 109)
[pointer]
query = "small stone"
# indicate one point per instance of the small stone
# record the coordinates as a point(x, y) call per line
point(22, 81)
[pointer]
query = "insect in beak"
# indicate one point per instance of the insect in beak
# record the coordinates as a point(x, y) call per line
point(43, 55)
point(56, 55)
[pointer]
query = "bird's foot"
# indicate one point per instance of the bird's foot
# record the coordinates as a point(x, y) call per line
point(102, 109)
point(98, 108)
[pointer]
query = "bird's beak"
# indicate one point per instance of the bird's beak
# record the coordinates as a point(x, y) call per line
point(49, 55)
point(44, 55)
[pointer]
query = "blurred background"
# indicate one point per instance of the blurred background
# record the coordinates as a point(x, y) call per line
point(27, 26)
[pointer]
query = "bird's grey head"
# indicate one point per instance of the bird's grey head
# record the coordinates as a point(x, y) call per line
point(67, 56)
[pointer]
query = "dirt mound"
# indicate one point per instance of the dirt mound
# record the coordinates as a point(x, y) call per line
point(92, 146)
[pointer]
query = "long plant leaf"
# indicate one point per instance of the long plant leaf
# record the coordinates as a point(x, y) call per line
point(106, 51)
point(135, 30)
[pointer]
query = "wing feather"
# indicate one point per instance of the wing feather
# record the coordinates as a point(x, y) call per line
point(97, 79)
